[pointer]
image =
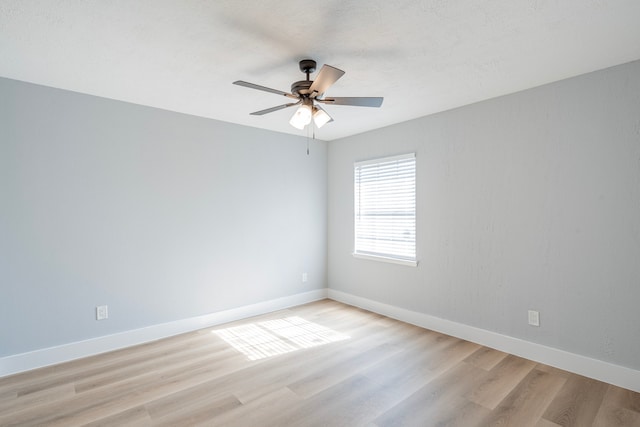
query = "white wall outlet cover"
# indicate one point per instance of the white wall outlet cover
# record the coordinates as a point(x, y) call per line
point(304, 277)
point(534, 318)
point(102, 312)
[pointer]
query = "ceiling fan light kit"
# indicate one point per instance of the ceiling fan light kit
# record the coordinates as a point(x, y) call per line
point(320, 117)
point(302, 116)
point(307, 92)
point(306, 112)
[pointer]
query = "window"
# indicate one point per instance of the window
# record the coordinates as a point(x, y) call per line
point(385, 209)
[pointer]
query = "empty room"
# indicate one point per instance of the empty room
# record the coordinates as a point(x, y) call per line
point(339, 213)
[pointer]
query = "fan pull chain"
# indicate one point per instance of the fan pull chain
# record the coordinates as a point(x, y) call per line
point(311, 128)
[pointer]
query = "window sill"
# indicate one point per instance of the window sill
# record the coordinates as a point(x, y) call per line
point(386, 259)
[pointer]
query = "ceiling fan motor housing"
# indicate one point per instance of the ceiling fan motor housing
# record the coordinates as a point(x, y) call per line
point(301, 87)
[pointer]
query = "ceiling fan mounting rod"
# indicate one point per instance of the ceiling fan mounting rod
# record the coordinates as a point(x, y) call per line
point(301, 88)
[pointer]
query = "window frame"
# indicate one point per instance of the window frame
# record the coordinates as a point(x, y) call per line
point(357, 183)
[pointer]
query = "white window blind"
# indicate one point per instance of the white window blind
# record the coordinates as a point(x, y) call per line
point(385, 208)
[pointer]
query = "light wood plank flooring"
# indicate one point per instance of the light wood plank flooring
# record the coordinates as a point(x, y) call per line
point(386, 373)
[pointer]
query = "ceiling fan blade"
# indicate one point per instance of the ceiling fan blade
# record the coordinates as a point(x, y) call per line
point(263, 88)
point(272, 109)
point(355, 101)
point(327, 76)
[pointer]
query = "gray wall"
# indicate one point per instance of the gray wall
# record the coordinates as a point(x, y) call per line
point(162, 216)
point(528, 201)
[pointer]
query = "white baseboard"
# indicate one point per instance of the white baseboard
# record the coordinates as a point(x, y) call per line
point(588, 367)
point(53, 355)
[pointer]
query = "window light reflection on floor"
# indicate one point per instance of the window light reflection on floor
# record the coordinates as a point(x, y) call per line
point(279, 336)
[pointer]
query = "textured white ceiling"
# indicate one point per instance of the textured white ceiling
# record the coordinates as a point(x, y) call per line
point(421, 56)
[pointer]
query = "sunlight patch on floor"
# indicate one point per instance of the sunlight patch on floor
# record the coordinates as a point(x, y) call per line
point(273, 337)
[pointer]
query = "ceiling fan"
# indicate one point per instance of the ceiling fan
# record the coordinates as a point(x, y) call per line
point(308, 92)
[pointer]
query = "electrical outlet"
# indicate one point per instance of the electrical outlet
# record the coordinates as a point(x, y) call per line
point(102, 312)
point(304, 277)
point(534, 318)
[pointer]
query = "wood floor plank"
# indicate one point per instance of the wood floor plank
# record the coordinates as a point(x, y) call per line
point(486, 358)
point(415, 369)
point(104, 363)
point(619, 407)
point(137, 416)
point(552, 370)
point(577, 402)
point(353, 402)
point(546, 423)
point(500, 381)
point(438, 398)
point(32, 400)
point(201, 411)
point(127, 394)
point(8, 394)
point(320, 380)
point(622, 398)
point(387, 373)
point(275, 373)
point(461, 413)
point(153, 363)
point(254, 413)
point(527, 402)
point(270, 375)
point(609, 416)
